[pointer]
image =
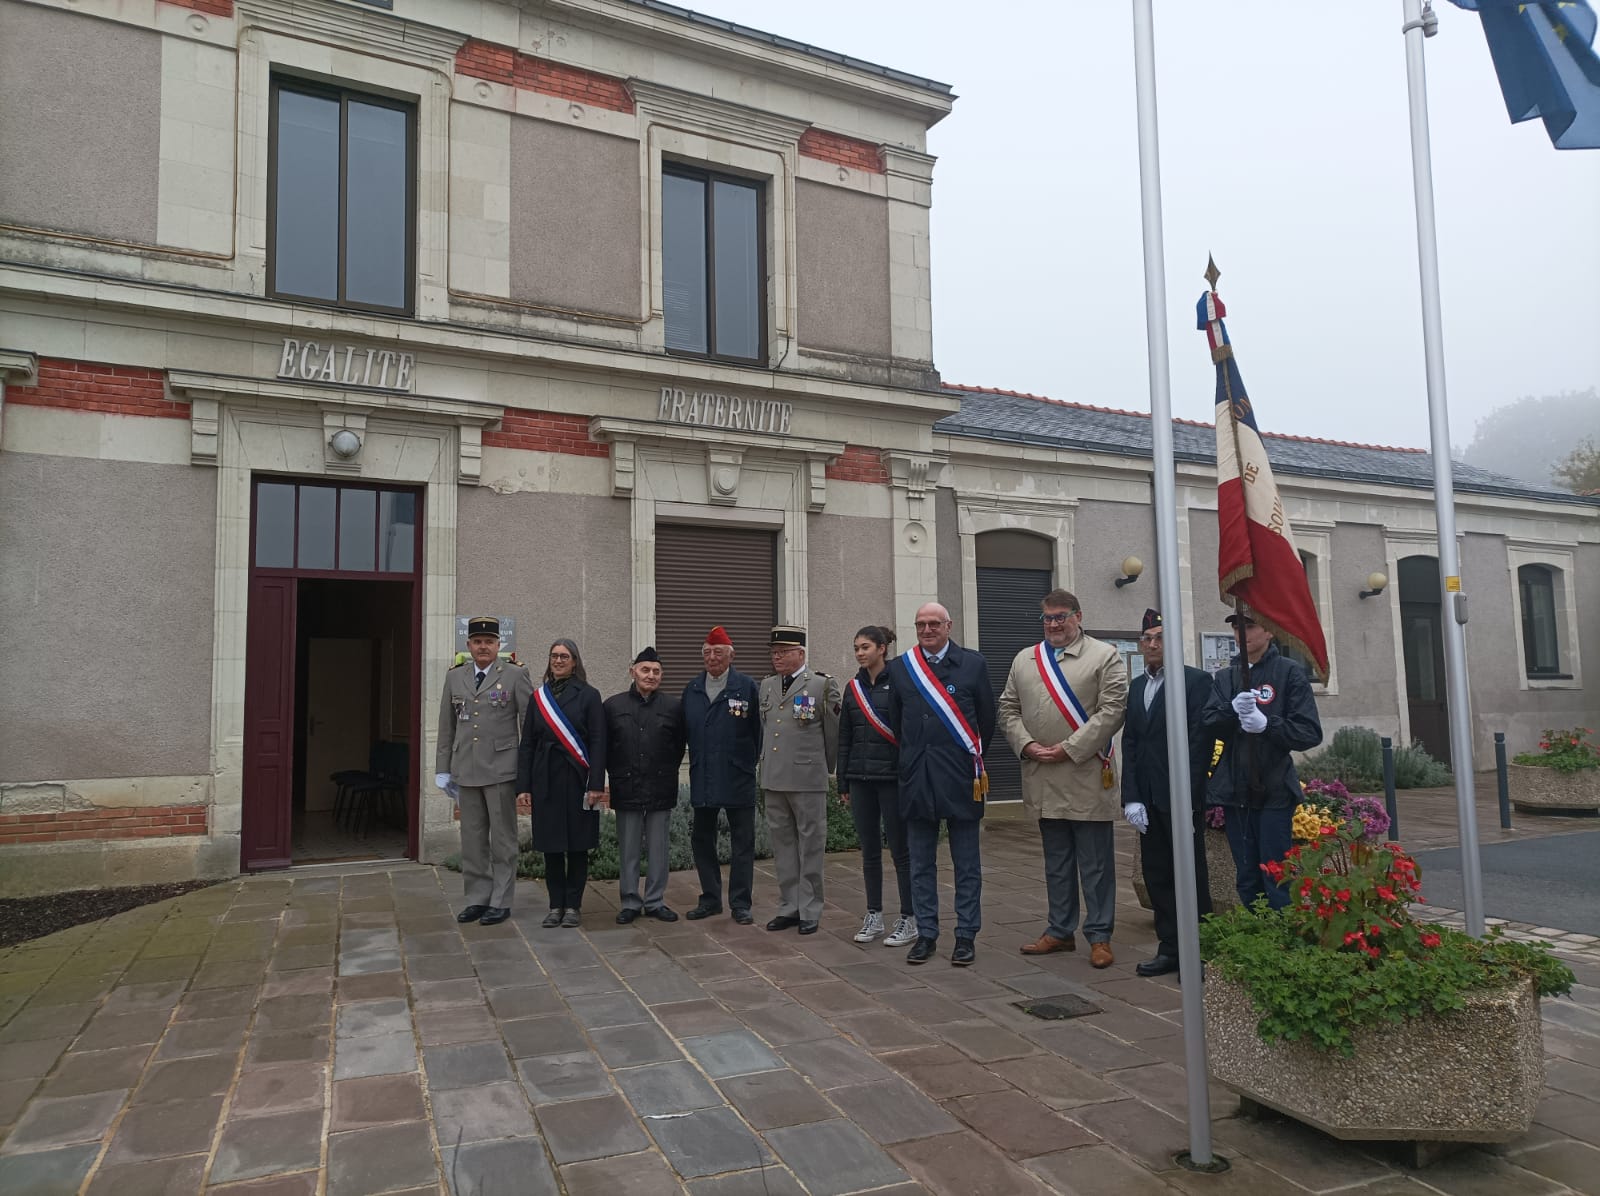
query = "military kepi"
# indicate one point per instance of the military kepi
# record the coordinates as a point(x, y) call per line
point(1152, 620)
point(483, 625)
point(785, 636)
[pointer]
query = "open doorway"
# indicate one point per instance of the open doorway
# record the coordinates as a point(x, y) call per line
point(352, 726)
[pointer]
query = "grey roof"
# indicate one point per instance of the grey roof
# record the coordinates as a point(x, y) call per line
point(1028, 419)
point(787, 43)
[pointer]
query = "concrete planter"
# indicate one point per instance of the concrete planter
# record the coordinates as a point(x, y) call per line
point(1474, 1075)
point(1219, 867)
point(1539, 790)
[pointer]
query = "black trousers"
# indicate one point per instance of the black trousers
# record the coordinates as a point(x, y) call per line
point(565, 875)
point(1156, 853)
point(741, 861)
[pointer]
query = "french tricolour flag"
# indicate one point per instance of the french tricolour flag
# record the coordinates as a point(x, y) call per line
point(1257, 562)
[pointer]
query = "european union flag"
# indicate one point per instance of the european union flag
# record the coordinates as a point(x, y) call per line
point(1544, 55)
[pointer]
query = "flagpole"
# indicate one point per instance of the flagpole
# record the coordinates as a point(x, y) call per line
point(1420, 23)
point(1166, 512)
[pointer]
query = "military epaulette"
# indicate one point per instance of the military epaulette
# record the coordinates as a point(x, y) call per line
point(821, 674)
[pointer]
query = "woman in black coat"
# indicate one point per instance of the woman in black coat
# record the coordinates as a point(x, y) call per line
point(869, 783)
point(565, 720)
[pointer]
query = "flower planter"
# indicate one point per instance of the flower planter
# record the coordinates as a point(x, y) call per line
point(1474, 1075)
point(1539, 790)
point(1219, 868)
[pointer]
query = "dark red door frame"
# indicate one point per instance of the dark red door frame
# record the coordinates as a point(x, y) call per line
point(269, 706)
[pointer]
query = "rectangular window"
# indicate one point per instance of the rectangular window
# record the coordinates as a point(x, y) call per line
point(341, 198)
point(316, 527)
point(713, 275)
point(1540, 646)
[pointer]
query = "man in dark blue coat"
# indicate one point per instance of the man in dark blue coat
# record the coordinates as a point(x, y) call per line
point(722, 714)
point(940, 776)
point(1147, 801)
point(1261, 713)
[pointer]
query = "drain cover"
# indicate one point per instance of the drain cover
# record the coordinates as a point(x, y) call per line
point(1058, 1009)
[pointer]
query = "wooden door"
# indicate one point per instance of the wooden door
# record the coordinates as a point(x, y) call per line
point(1422, 639)
point(264, 830)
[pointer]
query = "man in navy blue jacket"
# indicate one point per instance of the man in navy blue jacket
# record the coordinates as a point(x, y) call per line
point(946, 719)
point(1147, 801)
point(722, 714)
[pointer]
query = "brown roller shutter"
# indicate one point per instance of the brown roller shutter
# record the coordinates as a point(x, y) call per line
point(711, 575)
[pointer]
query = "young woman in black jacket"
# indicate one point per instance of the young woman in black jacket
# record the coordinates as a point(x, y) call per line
point(868, 783)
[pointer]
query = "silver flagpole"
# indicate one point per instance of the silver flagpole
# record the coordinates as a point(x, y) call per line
point(1173, 692)
point(1420, 22)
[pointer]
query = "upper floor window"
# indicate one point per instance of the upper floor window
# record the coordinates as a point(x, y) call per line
point(341, 173)
point(1540, 644)
point(713, 281)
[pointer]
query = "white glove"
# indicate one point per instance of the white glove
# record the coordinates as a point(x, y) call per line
point(1254, 722)
point(1245, 701)
point(1138, 817)
point(442, 781)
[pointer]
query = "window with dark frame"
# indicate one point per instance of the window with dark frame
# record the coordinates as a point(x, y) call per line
point(1540, 646)
point(341, 194)
point(713, 273)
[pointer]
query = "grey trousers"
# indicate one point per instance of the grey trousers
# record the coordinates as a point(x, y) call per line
point(636, 828)
point(489, 843)
point(799, 826)
point(1075, 850)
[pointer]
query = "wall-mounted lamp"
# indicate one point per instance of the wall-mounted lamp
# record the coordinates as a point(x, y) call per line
point(1377, 583)
point(345, 443)
point(1131, 568)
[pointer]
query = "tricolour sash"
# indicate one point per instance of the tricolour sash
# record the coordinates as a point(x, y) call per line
point(1055, 684)
point(868, 713)
point(556, 719)
point(944, 705)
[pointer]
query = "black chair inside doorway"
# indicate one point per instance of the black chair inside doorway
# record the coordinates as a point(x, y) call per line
point(377, 793)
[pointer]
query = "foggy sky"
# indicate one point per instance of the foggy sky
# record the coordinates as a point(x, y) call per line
point(1286, 153)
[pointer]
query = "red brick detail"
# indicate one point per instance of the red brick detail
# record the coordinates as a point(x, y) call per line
point(842, 150)
point(502, 64)
point(91, 386)
point(545, 431)
point(217, 8)
point(857, 464)
point(131, 822)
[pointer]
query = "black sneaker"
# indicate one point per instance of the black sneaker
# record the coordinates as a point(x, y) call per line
point(964, 955)
point(922, 950)
point(553, 918)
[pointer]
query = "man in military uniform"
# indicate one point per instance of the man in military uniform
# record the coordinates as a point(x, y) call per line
point(799, 743)
point(481, 715)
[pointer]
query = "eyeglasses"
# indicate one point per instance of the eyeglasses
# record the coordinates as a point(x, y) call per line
point(931, 624)
point(1051, 619)
point(561, 656)
point(1150, 639)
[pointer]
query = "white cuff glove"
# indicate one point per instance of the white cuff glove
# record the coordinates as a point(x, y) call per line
point(1253, 723)
point(442, 781)
point(1245, 701)
point(1138, 817)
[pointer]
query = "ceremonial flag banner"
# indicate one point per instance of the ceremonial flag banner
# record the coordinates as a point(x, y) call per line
point(1257, 564)
point(1545, 58)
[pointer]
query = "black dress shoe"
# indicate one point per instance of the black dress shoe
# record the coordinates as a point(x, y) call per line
point(553, 918)
point(963, 956)
point(783, 922)
point(472, 913)
point(624, 916)
point(922, 950)
point(571, 918)
point(810, 927)
point(741, 916)
point(493, 916)
point(1161, 965)
point(702, 911)
point(662, 914)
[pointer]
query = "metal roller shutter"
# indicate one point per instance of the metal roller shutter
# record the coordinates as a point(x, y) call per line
point(707, 576)
point(1008, 622)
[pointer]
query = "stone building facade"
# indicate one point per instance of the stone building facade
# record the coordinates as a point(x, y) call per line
point(325, 324)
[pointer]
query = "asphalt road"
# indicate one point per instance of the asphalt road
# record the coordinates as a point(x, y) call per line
point(1551, 882)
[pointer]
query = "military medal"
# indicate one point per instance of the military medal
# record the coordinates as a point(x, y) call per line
point(805, 708)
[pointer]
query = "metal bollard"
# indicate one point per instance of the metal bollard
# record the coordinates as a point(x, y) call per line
point(1388, 788)
point(1502, 779)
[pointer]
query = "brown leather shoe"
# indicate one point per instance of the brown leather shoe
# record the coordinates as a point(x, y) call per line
point(1048, 945)
point(1100, 955)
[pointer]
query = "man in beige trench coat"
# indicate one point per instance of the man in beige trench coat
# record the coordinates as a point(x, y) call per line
point(1063, 701)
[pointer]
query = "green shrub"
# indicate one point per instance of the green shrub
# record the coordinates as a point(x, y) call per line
point(1415, 769)
point(1354, 757)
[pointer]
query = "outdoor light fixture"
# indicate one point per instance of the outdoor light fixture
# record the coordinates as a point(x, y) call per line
point(1376, 584)
point(1131, 568)
point(345, 443)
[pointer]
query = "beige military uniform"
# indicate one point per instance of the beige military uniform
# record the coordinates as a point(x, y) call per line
point(479, 728)
point(799, 744)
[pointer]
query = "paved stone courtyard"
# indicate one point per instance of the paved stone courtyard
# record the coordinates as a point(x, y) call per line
point(336, 1031)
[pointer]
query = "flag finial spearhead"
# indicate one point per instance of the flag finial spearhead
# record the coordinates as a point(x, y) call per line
point(1212, 273)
